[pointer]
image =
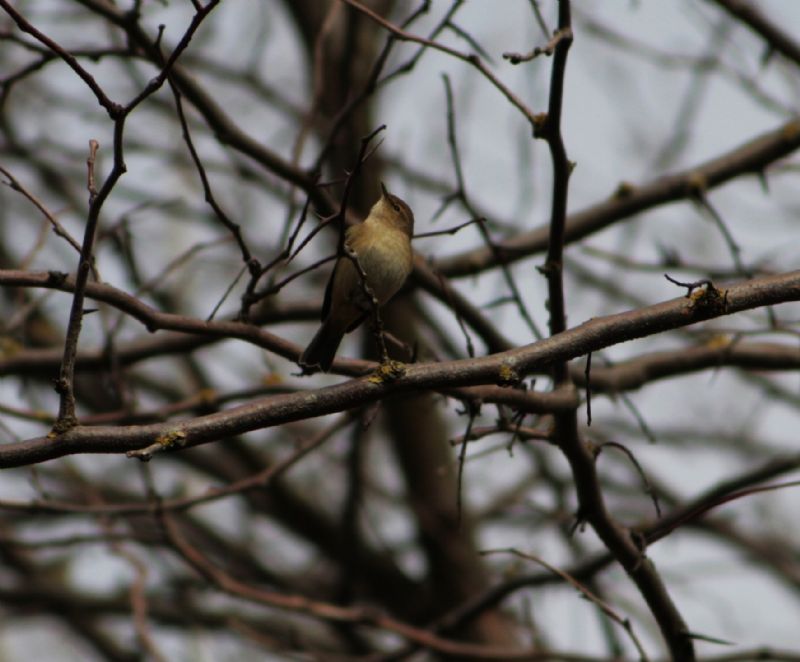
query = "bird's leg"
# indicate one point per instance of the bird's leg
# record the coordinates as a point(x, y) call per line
point(377, 330)
point(377, 323)
point(388, 370)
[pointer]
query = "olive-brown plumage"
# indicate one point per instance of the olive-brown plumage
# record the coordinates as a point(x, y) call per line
point(382, 245)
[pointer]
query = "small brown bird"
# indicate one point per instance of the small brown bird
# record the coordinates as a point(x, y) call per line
point(382, 246)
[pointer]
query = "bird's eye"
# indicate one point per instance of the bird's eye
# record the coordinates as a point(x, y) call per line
point(396, 206)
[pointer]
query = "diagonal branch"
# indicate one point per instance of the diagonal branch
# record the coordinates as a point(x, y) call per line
point(494, 369)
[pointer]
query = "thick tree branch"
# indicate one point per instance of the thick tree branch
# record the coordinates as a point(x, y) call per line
point(494, 369)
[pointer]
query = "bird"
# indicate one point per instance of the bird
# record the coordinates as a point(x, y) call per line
point(382, 246)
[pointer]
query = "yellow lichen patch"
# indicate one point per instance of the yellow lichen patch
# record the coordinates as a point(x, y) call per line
point(61, 426)
point(709, 299)
point(508, 376)
point(719, 341)
point(387, 372)
point(172, 438)
point(272, 379)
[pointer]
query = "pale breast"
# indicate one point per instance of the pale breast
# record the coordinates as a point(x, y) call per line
point(385, 256)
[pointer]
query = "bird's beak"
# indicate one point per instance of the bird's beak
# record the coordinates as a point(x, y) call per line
point(384, 191)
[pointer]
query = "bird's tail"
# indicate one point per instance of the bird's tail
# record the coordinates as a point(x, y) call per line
point(322, 349)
